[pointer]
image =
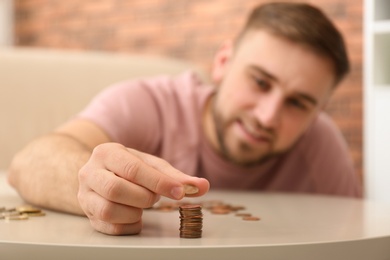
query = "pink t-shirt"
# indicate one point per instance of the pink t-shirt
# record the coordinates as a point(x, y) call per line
point(162, 116)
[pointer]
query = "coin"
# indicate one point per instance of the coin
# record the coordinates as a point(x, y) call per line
point(220, 211)
point(190, 189)
point(20, 213)
point(27, 209)
point(191, 217)
point(36, 214)
point(9, 213)
point(251, 218)
point(17, 217)
point(243, 214)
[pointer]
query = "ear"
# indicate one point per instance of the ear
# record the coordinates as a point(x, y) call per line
point(221, 62)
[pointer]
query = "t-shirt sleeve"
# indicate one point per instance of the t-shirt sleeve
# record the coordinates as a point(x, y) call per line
point(127, 111)
point(331, 166)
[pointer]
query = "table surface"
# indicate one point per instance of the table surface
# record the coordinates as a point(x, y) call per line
point(293, 226)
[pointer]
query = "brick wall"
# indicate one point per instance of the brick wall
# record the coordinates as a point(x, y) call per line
point(186, 29)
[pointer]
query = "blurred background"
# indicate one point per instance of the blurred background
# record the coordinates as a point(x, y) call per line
point(186, 29)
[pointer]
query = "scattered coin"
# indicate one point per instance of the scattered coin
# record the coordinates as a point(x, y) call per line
point(220, 211)
point(20, 213)
point(17, 217)
point(209, 204)
point(251, 218)
point(243, 214)
point(8, 214)
point(214, 206)
point(27, 209)
point(237, 208)
point(191, 224)
point(36, 214)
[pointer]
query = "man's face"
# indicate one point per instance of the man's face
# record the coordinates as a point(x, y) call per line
point(269, 90)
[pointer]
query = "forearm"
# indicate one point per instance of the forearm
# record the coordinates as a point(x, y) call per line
point(45, 172)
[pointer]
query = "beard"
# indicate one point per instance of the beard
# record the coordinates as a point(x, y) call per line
point(220, 126)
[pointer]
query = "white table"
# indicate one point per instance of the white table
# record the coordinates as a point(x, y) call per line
point(291, 227)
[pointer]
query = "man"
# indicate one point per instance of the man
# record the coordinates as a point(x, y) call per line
point(261, 126)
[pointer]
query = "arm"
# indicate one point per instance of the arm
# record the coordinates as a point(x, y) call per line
point(77, 171)
point(45, 171)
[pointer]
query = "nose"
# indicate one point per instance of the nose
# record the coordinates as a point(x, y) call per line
point(268, 110)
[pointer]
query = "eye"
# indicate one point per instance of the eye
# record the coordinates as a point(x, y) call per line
point(297, 103)
point(263, 84)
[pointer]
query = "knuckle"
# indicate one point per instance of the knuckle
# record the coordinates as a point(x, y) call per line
point(110, 189)
point(83, 173)
point(103, 150)
point(105, 212)
point(150, 200)
point(80, 198)
point(131, 169)
point(99, 150)
point(105, 226)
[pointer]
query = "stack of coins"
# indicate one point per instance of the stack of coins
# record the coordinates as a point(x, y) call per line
point(191, 221)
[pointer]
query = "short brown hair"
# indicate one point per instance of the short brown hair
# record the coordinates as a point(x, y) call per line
point(302, 23)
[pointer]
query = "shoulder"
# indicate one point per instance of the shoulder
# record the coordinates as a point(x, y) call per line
point(158, 83)
point(177, 86)
point(147, 94)
point(186, 81)
point(139, 106)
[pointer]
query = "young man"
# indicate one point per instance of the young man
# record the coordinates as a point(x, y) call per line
point(261, 126)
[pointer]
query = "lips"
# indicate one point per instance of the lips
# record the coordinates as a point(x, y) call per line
point(253, 134)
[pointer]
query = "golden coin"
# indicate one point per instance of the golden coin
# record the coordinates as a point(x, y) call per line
point(10, 213)
point(17, 217)
point(190, 189)
point(27, 209)
point(36, 214)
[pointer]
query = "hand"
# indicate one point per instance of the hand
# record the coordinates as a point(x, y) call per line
point(117, 183)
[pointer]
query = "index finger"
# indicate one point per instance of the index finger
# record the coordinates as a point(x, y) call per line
point(193, 186)
point(150, 172)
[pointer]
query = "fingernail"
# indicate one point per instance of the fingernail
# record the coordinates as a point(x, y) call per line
point(177, 192)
